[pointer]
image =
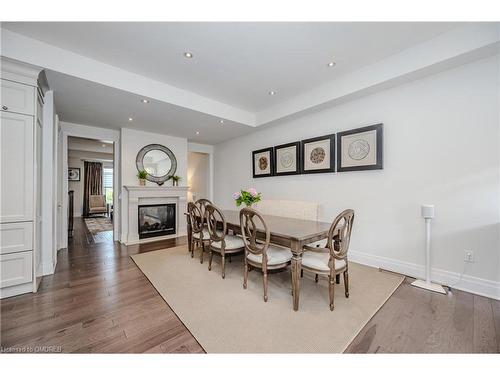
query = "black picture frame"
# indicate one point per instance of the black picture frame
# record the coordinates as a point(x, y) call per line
point(297, 156)
point(379, 128)
point(271, 162)
point(74, 169)
point(331, 138)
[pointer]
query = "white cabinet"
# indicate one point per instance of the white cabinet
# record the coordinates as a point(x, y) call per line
point(17, 182)
point(17, 97)
point(21, 124)
point(16, 268)
point(16, 237)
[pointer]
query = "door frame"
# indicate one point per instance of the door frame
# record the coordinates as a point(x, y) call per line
point(91, 132)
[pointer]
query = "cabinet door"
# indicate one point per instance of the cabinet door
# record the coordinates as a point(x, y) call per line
point(17, 97)
point(16, 237)
point(16, 268)
point(17, 182)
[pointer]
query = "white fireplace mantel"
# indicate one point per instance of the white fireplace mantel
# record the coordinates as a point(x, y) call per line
point(139, 195)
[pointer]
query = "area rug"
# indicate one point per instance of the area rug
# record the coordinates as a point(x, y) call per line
point(225, 318)
point(101, 228)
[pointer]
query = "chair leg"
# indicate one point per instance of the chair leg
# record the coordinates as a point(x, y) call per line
point(346, 283)
point(229, 258)
point(337, 278)
point(190, 247)
point(210, 256)
point(331, 290)
point(316, 278)
point(245, 276)
point(223, 266)
point(264, 276)
point(301, 273)
point(202, 251)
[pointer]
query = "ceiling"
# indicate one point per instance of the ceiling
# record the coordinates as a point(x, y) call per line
point(84, 102)
point(90, 145)
point(234, 63)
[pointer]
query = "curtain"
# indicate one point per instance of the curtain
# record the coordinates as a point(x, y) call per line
point(92, 183)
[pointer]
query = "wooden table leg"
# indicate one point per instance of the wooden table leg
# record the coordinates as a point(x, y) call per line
point(296, 248)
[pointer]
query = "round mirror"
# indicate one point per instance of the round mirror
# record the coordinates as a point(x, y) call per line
point(158, 161)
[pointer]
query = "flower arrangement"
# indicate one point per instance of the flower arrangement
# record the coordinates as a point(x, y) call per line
point(248, 197)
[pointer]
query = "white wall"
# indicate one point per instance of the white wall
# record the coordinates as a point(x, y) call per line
point(131, 143)
point(441, 146)
point(198, 174)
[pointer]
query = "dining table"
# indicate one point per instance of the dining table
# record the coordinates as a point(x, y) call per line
point(287, 232)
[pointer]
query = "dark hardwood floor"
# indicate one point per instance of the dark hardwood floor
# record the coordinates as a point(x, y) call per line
point(99, 301)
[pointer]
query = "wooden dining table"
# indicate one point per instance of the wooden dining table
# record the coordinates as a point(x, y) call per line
point(288, 232)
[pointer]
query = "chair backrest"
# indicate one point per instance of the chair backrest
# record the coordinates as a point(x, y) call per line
point(213, 216)
point(195, 217)
point(97, 201)
point(202, 204)
point(339, 234)
point(292, 209)
point(252, 222)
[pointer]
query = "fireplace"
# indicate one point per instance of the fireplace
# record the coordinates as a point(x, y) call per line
point(156, 220)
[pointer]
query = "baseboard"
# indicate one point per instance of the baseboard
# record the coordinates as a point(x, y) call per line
point(476, 285)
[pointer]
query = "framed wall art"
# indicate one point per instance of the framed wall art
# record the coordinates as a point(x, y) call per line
point(73, 174)
point(262, 161)
point(287, 159)
point(318, 154)
point(360, 149)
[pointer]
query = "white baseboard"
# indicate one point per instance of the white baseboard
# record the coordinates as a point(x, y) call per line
point(476, 285)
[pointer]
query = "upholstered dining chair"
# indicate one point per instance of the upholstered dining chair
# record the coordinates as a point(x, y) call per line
point(199, 233)
point(202, 204)
point(329, 257)
point(221, 242)
point(259, 253)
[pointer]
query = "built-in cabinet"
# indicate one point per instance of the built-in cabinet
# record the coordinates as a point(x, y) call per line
point(21, 127)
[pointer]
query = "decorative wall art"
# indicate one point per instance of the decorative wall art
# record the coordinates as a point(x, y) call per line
point(73, 174)
point(263, 162)
point(287, 159)
point(360, 149)
point(318, 154)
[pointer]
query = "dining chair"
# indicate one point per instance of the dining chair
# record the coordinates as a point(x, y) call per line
point(221, 242)
point(199, 233)
point(330, 258)
point(259, 253)
point(202, 204)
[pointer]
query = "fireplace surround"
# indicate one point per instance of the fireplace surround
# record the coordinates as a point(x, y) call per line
point(135, 196)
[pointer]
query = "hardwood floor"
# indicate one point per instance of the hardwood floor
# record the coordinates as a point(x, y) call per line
point(99, 301)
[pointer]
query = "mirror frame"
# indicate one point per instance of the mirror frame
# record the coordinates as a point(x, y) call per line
point(139, 161)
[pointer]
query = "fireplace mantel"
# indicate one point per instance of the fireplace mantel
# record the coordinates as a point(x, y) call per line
point(139, 195)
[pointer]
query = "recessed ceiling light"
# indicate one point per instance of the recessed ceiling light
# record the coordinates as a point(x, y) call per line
point(331, 64)
point(145, 101)
point(130, 119)
point(188, 55)
point(272, 92)
point(221, 121)
point(103, 145)
point(197, 133)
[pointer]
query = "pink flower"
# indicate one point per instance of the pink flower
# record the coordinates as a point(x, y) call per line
point(236, 195)
point(253, 192)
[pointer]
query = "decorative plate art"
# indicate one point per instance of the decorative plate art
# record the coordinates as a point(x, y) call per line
point(286, 158)
point(73, 174)
point(318, 154)
point(360, 149)
point(262, 162)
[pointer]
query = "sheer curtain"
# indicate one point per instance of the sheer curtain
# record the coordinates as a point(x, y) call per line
point(92, 183)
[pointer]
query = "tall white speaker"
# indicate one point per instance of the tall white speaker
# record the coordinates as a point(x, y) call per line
point(427, 211)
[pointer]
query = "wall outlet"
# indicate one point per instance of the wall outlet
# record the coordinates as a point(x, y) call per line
point(469, 256)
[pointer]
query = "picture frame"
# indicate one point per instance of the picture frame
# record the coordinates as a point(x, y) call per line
point(73, 174)
point(318, 154)
point(263, 162)
point(287, 159)
point(360, 149)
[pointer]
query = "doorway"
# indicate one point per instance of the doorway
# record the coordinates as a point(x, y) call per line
point(90, 188)
point(198, 176)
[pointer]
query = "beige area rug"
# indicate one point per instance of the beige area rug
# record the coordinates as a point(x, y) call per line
point(101, 228)
point(225, 318)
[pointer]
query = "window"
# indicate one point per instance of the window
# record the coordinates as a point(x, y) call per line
point(108, 184)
